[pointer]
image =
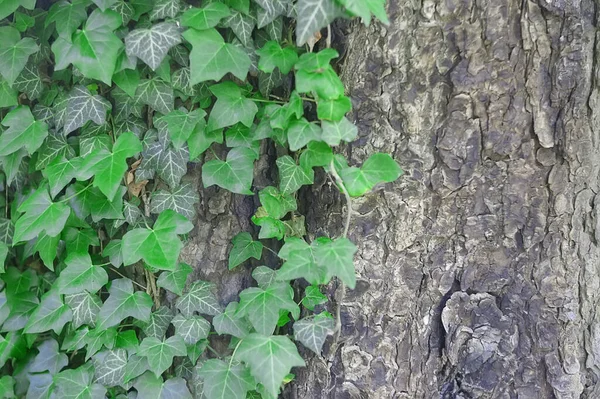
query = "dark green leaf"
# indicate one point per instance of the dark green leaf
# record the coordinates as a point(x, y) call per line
point(152, 45)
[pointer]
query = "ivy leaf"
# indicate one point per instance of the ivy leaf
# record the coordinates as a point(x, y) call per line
point(81, 275)
point(85, 308)
point(156, 94)
point(199, 298)
point(181, 200)
point(269, 10)
point(262, 305)
point(270, 359)
point(172, 165)
point(54, 147)
point(313, 297)
point(165, 9)
point(225, 380)
point(228, 323)
point(160, 353)
point(312, 16)
point(335, 132)
point(301, 264)
point(79, 240)
point(93, 50)
point(269, 227)
point(23, 132)
point(21, 306)
point(336, 257)
point(276, 204)
point(67, 16)
point(104, 4)
point(200, 140)
point(127, 340)
point(272, 56)
point(152, 45)
point(87, 199)
point(91, 140)
point(242, 26)
point(60, 172)
point(40, 386)
point(98, 338)
point(264, 276)
point(29, 81)
point(235, 174)
point(206, 17)
point(128, 80)
point(124, 9)
point(191, 329)
point(14, 54)
point(231, 107)
point(123, 303)
point(334, 109)
point(150, 386)
point(181, 124)
point(51, 314)
point(211, 58)
point(159, 323)
point(49, 358)
point(82, 107)
point(312, 331)
point(136, 366)
point(109, 367)
point(8, 95)
point(77, 384)
point(292, 176)
point(40, 215)
point(108, 168)
point(243, 249)
point(317, 153)
point(301, 132)
point(174, 281)
point(376, 169)
point(364, 9)
point(159, 246)
point(315, 74)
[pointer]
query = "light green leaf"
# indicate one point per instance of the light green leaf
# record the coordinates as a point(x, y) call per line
point(276, 204)
point(128, 80)
point(336, 257)
point(225, 380)
point(272, 56)
point(51, 314)
point(8, 95)
point(23, 132)
point(200, 140)
point(313, 297)
point(231, 107)
point(77, 384)
point(174, 281)
point(109, 367)
point(49, 358)
point(378, 168)
point(315, 74)
point(269, 227)
point(262, 305)
point(14, 55)
point(123, 303)
point(270, 359)
point(206, 17)
point(364, 9)
point(301, 263)
point(334, 109)
point(181, 124)
point(41, 215)
point(243, 249)
point(192, 328)
point(67, 16)
point(264, 276)
point(159, 323)
point(165, 9)
point(292, 176)
point(60, 172)
point(80, 275)
point(301, 132)
point(181, 200)
point(312, 16)
point(335, 132)
point(79, 240)
point(157, 94)
point(211, 58)
point(152, 45)
point(7, 389)
point(160, 353)
point(228, 323)
point(98, 338)
point(159, 246)
point(150, 386)
point(86, 200)
point(127, 340)
point(82, 106)
point(235, 174)
point(317, 153)
point(199, 298)
point(312, 331)
point(93, 50)
point(85, 308)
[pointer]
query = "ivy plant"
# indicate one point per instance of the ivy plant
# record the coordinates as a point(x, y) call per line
point(103, 103)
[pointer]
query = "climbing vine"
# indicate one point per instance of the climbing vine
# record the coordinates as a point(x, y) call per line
point(102, 105)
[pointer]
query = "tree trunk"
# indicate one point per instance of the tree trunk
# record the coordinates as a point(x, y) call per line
point(479, 271)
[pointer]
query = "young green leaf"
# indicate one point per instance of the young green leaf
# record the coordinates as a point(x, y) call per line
point(313, 297)
point(312, 331)
point(226, 380)
point(269, 227)
point(235, 174)
point(334, 109)
point(336, 257)
point(199, 298)
point(231, 107)
point(82, 106)
point(152, 45)
point(160, 353)
point(40, 215)
point(23, 132)
point(335, 132)
point(301, 264)
point(270, 359)
point(109, 367)
point(272, 56)
point(14, 53)
point(317, 153)
point(292, 176)
point(81, 275)
point(67, 16)
point(206, 17)
point(86, 200)
point(181, 124)
point(262, 305)
point(201, 139)
point(364, 9)
point(276, 204)
point(8, 95)
point(122, 303)
point(97, 339)
point(378, 168)
point(301, 132)
point(315, 74)
point(243, 249)
point(191, 329)
point(174, 281)
point(77, 384)
point(228, 323)
point(150, 386)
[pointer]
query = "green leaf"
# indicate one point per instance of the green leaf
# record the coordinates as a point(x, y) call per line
point(29, 81)
point(79, 240)
point(335, 132)
point(67, 16)
point(51, 314)
point(159, 323)
point(243, 249)
point(292, 176)
point(317, 153)
point(41, 215)
point(315, 74)
point(87, 199)
point(104, 4)
point(313, 297)
point(165, 9)
point(200, 140)
point(364, 9)
point(181, 200)
point(333, 110)
point(235, 174)
point(312, 16)
point(23, 132)
point(77, 384)
point(273, 56)
point(136, 366)
point(270, 10)
point(159, 247)
point(276, 204)
point(21, 306)
point(242, 26)
point(211, 58)
point(85, 308)
point(301, 132)
point(156, 94)
point(378, 168)
point(231, 107)
point(301, 263)
point(225, 380)
point(160, 353)
point(60, 172)
point(264, 276)
point(109, 367)
point(82, 106)
point(8, 95)
point(174, 281)
point(152, 45)
point(127, 340)
point(181, 124)
point(228, 323)
point(23, 22)
point(206, 17)
point(128, 80)
point(14, 55)
point(262, 305)
point(336, 257)
point(269, 227)
point(108, 168)
point(98, 338)
point(7, 389)
point(270, 359)
point(91, 140)
point(152, 387)
point(123, 303)
point(93, 50)
point(191, 329)
point(199, 298)
point(49, 358)
point(312, 331)
point(81, 275)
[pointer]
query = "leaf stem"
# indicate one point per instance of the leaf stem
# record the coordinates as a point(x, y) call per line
point(260, 100)
point(233, 354)
point(76, 194)
point(210, 348)
point(124, 276)
point(270, 250)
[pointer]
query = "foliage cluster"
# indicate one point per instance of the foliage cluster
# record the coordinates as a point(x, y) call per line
point(102, 105)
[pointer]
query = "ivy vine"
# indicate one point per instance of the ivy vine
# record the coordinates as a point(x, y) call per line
point(102, 105)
